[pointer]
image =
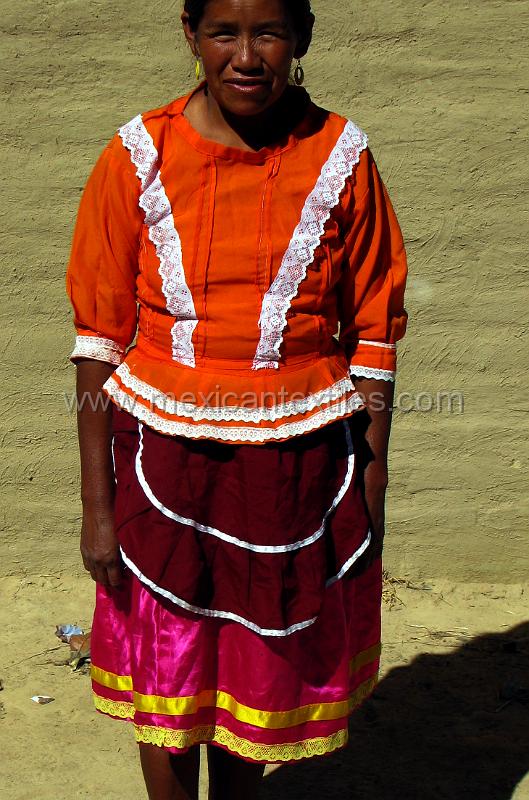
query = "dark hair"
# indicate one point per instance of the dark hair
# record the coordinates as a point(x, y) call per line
point(300, 10)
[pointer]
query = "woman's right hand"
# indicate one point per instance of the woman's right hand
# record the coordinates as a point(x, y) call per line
point(100, 547)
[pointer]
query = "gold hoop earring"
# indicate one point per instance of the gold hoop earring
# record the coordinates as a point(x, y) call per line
point(299, 74)
point(197, 69)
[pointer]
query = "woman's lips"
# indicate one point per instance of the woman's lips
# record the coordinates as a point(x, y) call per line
point(247, 87)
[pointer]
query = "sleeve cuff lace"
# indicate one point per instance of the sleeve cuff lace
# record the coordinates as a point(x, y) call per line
point(98, 349)
point(374, 360)
point(358, 371)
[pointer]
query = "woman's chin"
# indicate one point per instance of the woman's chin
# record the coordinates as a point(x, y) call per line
point(245, 101)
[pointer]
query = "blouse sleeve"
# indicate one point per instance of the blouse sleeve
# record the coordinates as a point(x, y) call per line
point(103, 265)
point(371, 289)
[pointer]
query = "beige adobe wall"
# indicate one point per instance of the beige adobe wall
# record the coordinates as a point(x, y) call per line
point(438, 87)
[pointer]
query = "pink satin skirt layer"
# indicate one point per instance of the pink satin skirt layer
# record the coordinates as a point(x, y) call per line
point(246, 619)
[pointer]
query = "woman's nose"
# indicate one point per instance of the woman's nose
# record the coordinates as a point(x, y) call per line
point(245, 58)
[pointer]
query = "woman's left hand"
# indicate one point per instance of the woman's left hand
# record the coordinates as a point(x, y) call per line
point(378, 396)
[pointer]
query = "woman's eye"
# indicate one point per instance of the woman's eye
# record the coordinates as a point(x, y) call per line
point(224, 35)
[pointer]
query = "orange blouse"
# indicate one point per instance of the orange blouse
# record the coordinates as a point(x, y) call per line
point(215, 278)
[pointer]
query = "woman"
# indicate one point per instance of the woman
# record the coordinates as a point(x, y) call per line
point(231, 518)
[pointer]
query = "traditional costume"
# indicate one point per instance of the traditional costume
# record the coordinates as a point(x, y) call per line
point(238, 294)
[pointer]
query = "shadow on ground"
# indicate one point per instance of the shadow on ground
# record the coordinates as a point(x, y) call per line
point(446, 726)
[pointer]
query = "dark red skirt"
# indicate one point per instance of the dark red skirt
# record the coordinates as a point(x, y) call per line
point(250, 534)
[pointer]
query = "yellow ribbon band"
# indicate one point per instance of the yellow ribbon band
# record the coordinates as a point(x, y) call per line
point(271, 720)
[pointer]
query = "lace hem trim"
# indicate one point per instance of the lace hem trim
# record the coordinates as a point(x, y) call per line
point(219, 734)
point(115, 708)
point(264, 753)
point(371, 372)
point(236, 434)
point(99, 349)
point(256, 548)
point(307, 235)
point(164, 236)
point(232, 413)
point(218, 614)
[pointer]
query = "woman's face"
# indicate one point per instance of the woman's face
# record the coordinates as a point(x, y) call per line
point(247, 47)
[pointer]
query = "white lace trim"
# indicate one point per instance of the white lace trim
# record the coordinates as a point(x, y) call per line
point(378, 344)
point(235, 434)
point(209, 612)
point(164, 236)
point(232, 413)
point(307, 235)
point(99, 349)
point(371, 372)
point(226, 537)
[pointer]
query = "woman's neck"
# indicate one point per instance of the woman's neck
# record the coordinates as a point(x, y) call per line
point(246, 133)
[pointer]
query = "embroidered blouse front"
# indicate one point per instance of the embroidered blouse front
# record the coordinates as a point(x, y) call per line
point(215, 279)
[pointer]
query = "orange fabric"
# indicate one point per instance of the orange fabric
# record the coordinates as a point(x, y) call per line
point(233, 214)
point(372, 287)
point(103, 268)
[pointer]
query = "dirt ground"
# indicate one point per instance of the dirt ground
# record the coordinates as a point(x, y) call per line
point(441, 90)
point(449, 720)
